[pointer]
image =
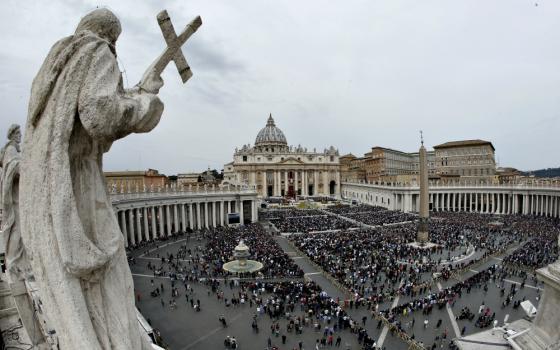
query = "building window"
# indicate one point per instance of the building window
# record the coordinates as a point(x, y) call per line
point(332, 158)
point(244, 158)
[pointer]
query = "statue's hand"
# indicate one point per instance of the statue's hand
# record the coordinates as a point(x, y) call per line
point(151, 83)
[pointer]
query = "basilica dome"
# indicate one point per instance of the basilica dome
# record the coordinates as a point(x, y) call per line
point(270, 135)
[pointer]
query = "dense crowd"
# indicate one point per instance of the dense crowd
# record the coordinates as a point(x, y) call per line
point(372, 215)
point(285, 213)
point(542, 247)
point(263, 248)
point(311, 223)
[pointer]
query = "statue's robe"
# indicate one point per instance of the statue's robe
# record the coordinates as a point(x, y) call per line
point(78, 107)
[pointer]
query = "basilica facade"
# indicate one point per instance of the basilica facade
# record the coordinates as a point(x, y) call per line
point(278, 170)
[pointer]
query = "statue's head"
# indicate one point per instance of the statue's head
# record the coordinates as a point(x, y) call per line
point(14, 133)
point(103, 23)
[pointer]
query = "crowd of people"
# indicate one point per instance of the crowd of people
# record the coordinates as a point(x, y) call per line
point(542, 247)
point(315, 223)
point(374, 264)
point(372, 215)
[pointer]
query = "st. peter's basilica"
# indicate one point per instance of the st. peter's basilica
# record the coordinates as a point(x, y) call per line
point(276, 169)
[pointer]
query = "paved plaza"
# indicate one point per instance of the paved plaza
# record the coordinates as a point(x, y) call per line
point(182, 327)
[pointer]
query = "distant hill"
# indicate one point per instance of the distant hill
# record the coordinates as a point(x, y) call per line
point(550, 172)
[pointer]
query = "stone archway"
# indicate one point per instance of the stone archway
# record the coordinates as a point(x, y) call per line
point(332, 188)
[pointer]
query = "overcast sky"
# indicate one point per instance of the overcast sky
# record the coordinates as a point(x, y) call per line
point(354, 74)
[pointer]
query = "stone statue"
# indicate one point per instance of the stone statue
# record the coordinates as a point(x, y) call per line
point(17, 262)
point(77, 109)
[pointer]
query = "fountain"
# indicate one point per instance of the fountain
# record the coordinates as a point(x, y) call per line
point(241, 264)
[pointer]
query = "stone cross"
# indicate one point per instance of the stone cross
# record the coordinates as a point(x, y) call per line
point(173, 50)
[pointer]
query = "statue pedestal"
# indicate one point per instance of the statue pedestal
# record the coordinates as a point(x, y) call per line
point(422, 236)
point(544, 333)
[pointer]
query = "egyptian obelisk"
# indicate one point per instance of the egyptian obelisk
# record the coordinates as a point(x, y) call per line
point(422, 236)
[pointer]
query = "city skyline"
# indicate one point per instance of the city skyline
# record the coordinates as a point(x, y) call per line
point(354, 76)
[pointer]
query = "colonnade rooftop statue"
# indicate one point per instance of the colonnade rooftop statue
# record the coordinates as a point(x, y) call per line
point(78, 107)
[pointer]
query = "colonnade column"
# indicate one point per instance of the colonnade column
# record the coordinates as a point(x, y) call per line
point(161, 219)
point(183, 218)
point(213, 214)
point(206, 215)
point(191, 217)
point(154, 227)
point(138, 224)
point(198, 223)
point(168, 221)
point(222, 213)
point(146, 227)
point(175, 218)
point(123, 227)
point(131, 226)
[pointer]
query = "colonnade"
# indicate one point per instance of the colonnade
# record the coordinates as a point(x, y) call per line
point(142, 221)
point(489, 200)
point(497, 203)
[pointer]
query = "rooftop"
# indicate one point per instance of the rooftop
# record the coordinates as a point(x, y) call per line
point(464, 143)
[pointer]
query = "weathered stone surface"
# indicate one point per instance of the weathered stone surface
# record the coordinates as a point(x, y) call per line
point(78, 107)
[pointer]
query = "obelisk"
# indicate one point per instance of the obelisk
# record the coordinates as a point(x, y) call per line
point(422, 236)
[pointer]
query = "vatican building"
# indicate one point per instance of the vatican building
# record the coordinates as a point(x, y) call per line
point(276, 169)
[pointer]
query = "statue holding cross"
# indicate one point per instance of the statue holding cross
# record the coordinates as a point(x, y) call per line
point(77, 109)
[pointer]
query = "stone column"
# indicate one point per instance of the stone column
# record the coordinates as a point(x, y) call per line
point(131, 226)
point(264, 184)
point(222, 215)
point(168, 220)
point(285, 182)
point(476, 202)
point(255, 211)
point(191, 216)
point(213, 214)
point(198, 217)
point(154, 226)
point(241, 219)
point(303, 183)
point(315, 182)
point(206, 216)
point(325, 183)
point(122, 215)
point(296, 186)
point(161, 220)
point(146, 227)
point(183, 218)
point(338, 186)
point(175, 218)
point(275, 187)
point(138, 225)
